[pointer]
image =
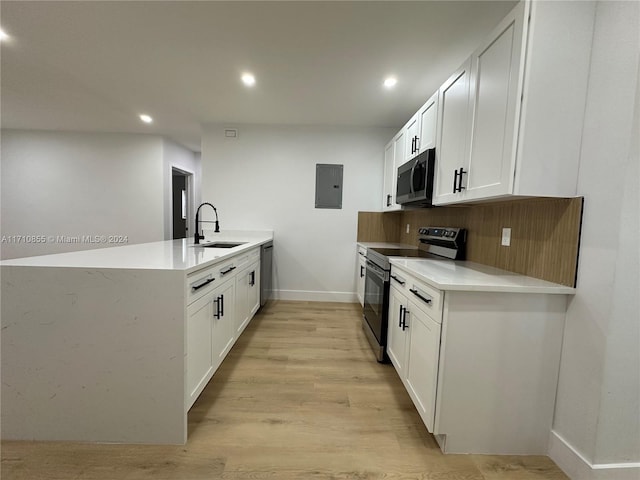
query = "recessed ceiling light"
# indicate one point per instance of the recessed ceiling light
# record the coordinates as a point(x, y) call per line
point(146, 118)
point(390, 82)
point(248, 79)
point(3, 35)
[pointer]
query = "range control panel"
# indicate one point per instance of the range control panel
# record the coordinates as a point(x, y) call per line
point(449, 242)
point(448, 233)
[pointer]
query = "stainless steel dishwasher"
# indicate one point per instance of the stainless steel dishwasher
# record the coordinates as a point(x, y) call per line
point(266, 266)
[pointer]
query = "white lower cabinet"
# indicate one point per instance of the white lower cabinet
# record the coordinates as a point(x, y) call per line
point(210, 336)
point(199, 346)
point(421, 375)
point(413, 342)
point(480, 367)
point(361, 269)
point(247, 296)
point(396, 334)
point(222, 300)
point(223, 321)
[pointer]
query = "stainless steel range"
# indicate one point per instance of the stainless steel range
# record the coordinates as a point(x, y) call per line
point(434, 243)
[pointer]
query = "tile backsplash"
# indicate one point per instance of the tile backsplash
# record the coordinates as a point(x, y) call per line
point(545, 233)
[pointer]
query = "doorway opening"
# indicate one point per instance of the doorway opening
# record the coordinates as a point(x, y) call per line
point(181, 202)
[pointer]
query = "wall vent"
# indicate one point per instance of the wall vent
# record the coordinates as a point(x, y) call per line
point(231, 132)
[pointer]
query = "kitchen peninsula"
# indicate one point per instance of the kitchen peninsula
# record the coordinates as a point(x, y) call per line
point(115, 344)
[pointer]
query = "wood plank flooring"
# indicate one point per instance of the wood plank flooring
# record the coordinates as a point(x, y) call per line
point(300, 396)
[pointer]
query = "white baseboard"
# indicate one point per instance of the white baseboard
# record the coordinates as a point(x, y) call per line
point(578, 467)
point(315, 296)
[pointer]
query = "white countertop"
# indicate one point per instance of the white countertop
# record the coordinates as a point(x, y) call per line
point(164, 255)
point(468, 276)
point(385, 245)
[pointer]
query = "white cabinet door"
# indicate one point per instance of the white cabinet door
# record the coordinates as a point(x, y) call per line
point(199, 346)
point(242, 313)
point(428, 116)
point(389, 187)
point(361, 264)
point(399, 153)
point(396, 333)
point(253, 293)
point(495, 102)
point(223, 323)
point(422, 362)
point(394, 154)
point(452, 152)
point(412, 137)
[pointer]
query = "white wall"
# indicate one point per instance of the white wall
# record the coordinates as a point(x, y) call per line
point(597, 420)
point(76, 184)
point(176, 156)
point(265, 179)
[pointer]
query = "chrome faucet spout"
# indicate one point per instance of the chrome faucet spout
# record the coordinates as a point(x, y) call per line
point(197, 236)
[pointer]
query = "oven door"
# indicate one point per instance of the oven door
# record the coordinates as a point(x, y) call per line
point(376, 301)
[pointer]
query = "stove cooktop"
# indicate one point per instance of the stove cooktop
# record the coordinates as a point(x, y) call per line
point(402, 252)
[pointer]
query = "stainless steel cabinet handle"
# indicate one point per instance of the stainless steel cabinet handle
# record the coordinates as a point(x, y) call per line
point(424, 299)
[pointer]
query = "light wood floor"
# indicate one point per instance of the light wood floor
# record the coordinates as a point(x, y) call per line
point(300, 396)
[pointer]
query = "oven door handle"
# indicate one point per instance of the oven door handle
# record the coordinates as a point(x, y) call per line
point(377, 271)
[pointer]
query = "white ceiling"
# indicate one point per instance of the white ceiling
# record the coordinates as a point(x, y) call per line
point(94, 66)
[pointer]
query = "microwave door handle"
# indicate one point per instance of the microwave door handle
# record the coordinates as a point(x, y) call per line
point(415, 164)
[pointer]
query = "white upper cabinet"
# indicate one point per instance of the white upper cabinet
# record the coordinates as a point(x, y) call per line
point(428, 116)
point(399, 153)
point(413, 137)
point(394, 156)
point(389, 180)
point(421, 129)
point(494, 100)
point(452, 150)
point(525, 88)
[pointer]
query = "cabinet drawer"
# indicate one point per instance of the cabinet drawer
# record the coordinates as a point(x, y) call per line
point(254, 254)
point(427, 298)
point(362, 252)
point(202, 282)
point(229, 268)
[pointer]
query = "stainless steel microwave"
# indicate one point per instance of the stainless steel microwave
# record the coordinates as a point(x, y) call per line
point(415, 180)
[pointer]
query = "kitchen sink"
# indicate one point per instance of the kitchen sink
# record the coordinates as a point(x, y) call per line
point(220, 244)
